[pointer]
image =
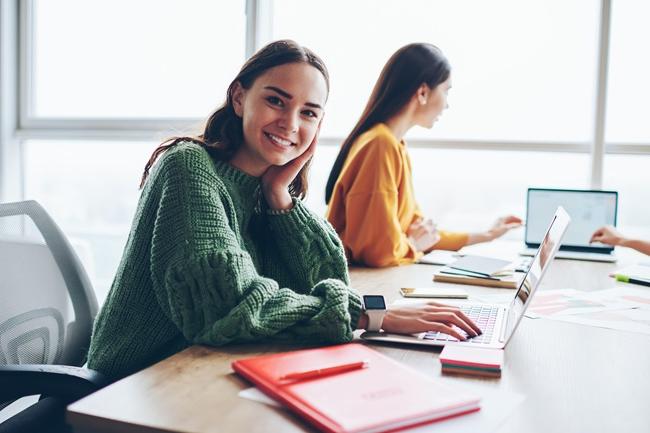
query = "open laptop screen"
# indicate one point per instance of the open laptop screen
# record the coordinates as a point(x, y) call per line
point(545, 254)
point(589, 210)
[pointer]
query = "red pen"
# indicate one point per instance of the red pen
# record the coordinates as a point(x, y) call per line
point(320, 372)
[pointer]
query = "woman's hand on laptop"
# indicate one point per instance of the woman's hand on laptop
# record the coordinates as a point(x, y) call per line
point(610, 236)
point(431, 316)
point(607, 235)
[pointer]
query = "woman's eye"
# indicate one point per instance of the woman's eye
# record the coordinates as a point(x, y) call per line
point(310, 113)
point(274, 100)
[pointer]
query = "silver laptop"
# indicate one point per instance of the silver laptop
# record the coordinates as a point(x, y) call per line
point(589, 210)
point(497, 322)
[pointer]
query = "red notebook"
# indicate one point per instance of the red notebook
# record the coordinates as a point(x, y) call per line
point(383, 396)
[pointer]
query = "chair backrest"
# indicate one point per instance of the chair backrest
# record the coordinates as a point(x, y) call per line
point(47, 305)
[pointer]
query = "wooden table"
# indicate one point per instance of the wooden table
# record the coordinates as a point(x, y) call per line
point(575, 378)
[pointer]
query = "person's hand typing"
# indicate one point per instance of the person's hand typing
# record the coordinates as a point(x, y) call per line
point(430, 316)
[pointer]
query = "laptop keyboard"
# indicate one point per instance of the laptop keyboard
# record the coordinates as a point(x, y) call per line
point(485, 316)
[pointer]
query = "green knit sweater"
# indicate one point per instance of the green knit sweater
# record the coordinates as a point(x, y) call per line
point(203, 266)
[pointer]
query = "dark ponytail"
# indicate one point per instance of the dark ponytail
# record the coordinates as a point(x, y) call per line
point(406, 70)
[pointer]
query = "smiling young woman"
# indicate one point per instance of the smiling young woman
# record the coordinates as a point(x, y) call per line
point(222, 249)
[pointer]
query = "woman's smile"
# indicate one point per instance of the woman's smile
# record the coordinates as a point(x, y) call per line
point(279, 142)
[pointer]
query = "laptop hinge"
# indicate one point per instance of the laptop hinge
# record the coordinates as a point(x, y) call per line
point(502, 335)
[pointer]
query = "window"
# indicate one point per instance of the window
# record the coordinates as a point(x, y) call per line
point(125, 62)
point(466, 190)
point(98, 74)
point(629, 175)
point(318, 174)
point(134, 59)
point(91, 190)
point(629, 88)
point(520, 70)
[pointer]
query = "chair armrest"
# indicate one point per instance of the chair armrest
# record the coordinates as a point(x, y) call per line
point(61, 381)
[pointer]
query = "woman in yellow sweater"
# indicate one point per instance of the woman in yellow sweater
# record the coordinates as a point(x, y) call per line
point(370, 189)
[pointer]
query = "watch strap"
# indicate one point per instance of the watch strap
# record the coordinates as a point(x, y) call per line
point(375, 319)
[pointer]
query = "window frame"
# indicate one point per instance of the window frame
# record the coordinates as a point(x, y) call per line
point(17, 58)
point(11, 161)
point(30, 126)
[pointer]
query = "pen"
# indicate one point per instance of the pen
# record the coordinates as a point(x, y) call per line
point(320, 372)
point(626, 279)
point(467, 274)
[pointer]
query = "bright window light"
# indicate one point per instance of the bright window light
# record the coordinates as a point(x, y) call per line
point(91, 190)
point(468, 189)
point(520, 70)
point(134, 59)
point(629, 175)
point(629, 69)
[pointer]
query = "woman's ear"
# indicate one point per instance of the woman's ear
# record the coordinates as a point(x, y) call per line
point(238, 99)
point(422, 94)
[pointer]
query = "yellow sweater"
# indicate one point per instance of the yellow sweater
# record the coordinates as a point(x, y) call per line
point(373, 204)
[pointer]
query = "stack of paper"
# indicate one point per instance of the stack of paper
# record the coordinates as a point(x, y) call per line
point(449, 275)
point(480, 271)
point(440, 257)
point(482, 266)
point(473, 361)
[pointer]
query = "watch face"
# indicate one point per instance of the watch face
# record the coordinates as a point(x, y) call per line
point(374, 302)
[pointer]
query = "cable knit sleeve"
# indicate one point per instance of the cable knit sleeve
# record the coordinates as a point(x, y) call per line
point(207, 283)
point(311, 244)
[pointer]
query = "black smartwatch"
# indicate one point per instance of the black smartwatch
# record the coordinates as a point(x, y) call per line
point(375, 308)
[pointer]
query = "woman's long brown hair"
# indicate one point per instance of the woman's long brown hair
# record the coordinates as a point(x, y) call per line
point(406, 70)
point(223, 132)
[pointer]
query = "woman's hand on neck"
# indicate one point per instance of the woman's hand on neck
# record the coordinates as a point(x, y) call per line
point(277, 178)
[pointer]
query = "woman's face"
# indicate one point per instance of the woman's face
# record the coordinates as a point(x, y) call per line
point(281, 113)
point(433, 104)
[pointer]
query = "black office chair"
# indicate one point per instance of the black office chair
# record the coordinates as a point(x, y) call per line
point(47, 307)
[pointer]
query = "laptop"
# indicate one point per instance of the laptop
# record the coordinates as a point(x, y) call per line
point(589, 210)
point(497, 322)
